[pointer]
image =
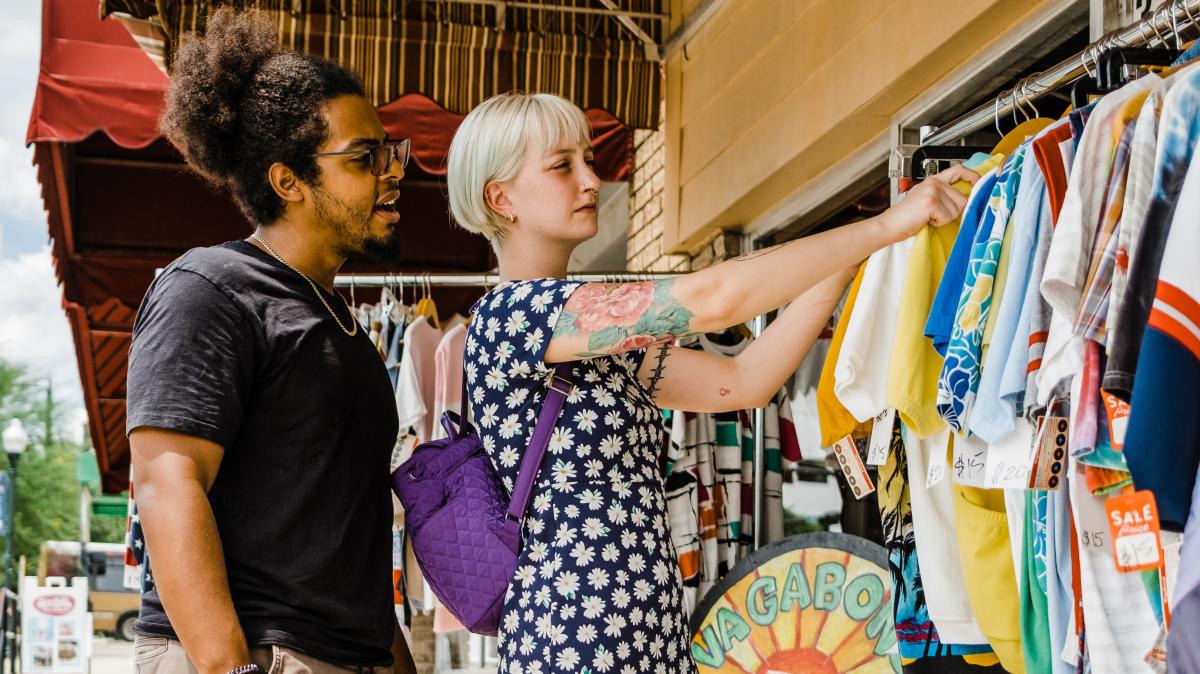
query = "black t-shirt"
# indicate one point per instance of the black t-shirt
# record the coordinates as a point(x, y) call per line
point(233, 347)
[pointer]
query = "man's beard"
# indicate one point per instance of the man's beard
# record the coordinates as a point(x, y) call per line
point(354, 236)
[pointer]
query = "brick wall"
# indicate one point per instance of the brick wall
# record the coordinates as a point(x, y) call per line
point(644, 245)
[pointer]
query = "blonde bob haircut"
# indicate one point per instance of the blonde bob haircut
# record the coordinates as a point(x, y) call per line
point(492, 143)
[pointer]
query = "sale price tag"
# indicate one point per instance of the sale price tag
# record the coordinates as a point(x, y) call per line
point(1133, 521)
point(852, 467)
point(881, 437)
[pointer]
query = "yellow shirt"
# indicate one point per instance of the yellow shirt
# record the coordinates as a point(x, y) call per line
point(836, 421)
point(913, 373)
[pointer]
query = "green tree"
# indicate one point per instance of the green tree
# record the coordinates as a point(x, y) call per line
point(47, 490)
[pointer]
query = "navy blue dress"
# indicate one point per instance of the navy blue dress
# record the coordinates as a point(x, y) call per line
point(597, 588)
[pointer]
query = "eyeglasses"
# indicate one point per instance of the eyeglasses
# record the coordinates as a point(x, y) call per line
point(382, 155)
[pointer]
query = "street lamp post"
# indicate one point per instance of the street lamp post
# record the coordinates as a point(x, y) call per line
point(15, 441)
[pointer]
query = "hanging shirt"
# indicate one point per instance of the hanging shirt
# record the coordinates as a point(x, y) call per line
point(1055, 153)
point(448, 370)
point(1162, 443)
point(940, 325)
point(836, 421)
point(916, 364)
point(1183, 646)
point(1139, 188)
point(915, 631)
point(860, 374)
point(981, 526)
point(995, 408)
point(1093, 308)
point(1178, 132)
point(1119, 625)
point(936, 543)
point(959, 380)
point(1067, 262)
point(417, 379)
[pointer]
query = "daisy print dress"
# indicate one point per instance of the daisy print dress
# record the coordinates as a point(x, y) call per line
point(597, 588)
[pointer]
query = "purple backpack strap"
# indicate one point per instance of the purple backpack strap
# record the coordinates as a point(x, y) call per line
point(560, 387)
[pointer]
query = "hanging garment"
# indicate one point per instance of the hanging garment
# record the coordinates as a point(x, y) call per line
point(940, 325)
point(936, 543)
point(1179, 128)
point(1120, 628)
point(1183, 646)
point(915, 632)
point(1162, 445)
point(981, 526)
point(836, 421)
point(1067, 262)
point(1139, 188)
point(1033, 575)
point(959, 380)
point(860, 374)
point(448, 371)
point(916, 364)
point(1002, 382)
point(417, 379)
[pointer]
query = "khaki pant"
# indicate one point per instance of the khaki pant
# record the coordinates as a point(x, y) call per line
point(160, 655)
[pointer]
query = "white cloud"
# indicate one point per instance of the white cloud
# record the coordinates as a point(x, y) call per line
point(33, 327)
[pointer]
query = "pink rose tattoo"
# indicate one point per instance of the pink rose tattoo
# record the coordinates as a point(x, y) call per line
point(597, 306)
point(623, 317)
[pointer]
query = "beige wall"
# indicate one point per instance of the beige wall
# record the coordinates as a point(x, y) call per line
point(771, 92)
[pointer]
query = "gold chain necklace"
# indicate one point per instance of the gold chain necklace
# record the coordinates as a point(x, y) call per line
point(354, 324)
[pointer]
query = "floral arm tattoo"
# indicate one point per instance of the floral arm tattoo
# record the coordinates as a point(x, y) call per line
point(617, 317)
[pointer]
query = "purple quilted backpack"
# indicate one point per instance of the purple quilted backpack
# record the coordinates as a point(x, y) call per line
point(465, 531)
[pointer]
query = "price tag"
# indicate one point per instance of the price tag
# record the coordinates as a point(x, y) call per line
point(1008, 459)
point(852, 467)
point(1048, 453)
point(1133, 520)
point(881, 437)
point(937, 464)
point(970, 461)
point(1118, 419)
point(1092, 524)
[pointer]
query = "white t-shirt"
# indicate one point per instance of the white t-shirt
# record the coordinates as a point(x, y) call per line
point(937, 544)
point(860, 375)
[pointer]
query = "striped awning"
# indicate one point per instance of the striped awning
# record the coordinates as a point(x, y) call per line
point(456, 52)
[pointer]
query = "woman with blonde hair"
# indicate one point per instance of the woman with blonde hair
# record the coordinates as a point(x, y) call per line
point(597, 588)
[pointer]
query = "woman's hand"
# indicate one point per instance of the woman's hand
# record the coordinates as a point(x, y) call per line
point(933, 201)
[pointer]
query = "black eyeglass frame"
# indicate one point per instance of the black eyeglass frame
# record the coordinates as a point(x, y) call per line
point(391, 151)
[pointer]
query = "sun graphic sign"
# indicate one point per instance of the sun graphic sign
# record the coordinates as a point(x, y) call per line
point(816, 603)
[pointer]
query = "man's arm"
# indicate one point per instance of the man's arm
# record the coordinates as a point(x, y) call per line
point(174, 473)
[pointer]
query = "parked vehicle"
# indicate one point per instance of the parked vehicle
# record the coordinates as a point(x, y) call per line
point(114, 608)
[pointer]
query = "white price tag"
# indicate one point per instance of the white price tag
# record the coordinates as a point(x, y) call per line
point(970, 461)
point(937, 463)
point(1008, 460)
point(1091, 521)
point(881, 438)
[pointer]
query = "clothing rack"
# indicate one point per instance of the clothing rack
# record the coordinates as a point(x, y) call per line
point(487, 280)
point(470, 280)
point(1165, 22)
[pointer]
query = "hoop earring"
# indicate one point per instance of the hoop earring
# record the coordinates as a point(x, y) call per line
point(512, 218)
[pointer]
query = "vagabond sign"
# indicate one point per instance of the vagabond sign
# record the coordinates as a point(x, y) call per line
point(816, 603)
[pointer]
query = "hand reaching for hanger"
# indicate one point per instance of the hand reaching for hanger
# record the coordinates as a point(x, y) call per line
point(934, 201)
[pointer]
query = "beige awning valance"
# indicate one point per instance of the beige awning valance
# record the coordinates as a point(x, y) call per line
point(456, 52)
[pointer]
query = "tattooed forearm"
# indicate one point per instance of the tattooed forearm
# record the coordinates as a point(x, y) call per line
point(754, 254)
point(618, 317)
point(657, 375)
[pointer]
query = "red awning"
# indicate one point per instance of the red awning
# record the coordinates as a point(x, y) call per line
point(120, 203)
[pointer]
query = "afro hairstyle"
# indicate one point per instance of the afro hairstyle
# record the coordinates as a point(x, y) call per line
point(238, 103)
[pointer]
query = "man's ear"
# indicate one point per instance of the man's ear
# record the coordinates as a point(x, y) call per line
point(496, 195)
point(285, 183)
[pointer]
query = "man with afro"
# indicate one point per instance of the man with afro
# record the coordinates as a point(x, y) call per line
point(261, 419)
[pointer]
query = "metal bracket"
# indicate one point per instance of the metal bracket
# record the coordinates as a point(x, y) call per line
point(652, 51)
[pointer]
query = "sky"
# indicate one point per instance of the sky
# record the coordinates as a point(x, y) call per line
point(33, 328)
